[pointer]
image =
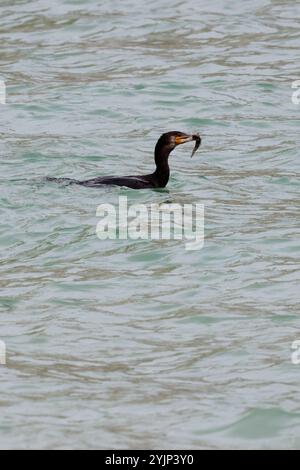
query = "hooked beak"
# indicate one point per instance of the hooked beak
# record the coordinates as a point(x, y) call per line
point(188, 138)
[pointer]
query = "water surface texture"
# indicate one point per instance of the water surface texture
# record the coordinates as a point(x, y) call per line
point(139, 344)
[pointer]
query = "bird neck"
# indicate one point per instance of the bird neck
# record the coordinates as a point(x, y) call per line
point(162, 172)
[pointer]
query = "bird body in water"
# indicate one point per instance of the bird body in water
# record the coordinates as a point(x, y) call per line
point(159, 179)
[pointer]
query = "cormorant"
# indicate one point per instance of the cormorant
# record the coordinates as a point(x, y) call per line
point(159, 179)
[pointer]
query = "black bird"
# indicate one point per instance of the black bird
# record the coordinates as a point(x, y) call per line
point(159, 179)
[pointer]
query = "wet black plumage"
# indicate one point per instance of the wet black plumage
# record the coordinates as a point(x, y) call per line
point(159, 179)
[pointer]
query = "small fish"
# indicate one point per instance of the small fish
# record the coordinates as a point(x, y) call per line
point(197, 138)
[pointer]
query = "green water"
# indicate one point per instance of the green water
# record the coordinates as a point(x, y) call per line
point(140, 344)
